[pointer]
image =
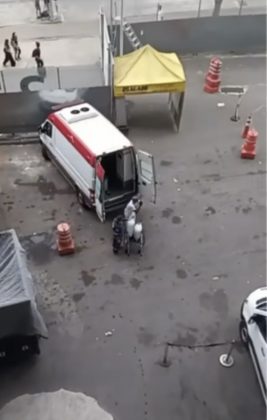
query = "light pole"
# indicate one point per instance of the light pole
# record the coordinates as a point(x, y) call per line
point(121, 29)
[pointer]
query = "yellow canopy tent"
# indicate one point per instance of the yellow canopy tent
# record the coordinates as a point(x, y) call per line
point(147, 70)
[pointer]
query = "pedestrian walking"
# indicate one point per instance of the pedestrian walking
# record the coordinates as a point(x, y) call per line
point(46, 5)
point(159, 12)
point(36, 54)
point(38, 9)
point(48, 9)
point(8, 55)
point(56, 6)
point(15, 45)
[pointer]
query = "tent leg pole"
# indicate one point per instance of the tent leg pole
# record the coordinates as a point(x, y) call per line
point(180, 110)
point(121, 29)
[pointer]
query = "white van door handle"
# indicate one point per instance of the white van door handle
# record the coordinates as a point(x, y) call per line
point(263, 352)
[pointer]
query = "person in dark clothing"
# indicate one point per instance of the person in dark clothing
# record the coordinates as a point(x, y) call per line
point(8, 55)
point(38, 9)
point(36, 54)
point(15, 45)
point(46, 5)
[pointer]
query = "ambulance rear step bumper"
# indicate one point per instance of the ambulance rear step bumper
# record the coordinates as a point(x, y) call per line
point(118, 203)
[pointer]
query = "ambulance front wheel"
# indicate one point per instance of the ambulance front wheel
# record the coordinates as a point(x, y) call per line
point(81, 198)
point(45, 153)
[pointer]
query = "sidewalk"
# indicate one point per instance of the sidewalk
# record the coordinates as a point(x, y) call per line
point(69, 43)
point(19, 12)
point(62, 44)
point(15, 12)
point(51, 31)
point(60, 53)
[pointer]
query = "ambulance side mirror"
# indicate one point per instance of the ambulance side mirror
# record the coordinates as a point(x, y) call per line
point(43, 130)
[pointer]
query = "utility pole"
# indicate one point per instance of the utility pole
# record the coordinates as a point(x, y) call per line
point(121, 29)
point(217, 7)
point(111, 21)
point(199, 8)
point(241, 7)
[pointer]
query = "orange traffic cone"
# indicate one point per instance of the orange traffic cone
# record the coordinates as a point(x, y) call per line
point(65, 243)
point(212, 79)
point(248, 150)
point(246, 127)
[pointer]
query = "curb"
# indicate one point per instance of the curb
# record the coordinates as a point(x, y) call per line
point(18, 138)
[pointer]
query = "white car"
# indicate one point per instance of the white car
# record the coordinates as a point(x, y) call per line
point(253, 333)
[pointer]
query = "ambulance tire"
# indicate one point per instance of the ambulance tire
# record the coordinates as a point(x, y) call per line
point(81, 199)
point(45, 153)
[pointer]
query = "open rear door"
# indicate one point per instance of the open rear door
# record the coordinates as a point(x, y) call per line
point(99, 192)
point(147, 175)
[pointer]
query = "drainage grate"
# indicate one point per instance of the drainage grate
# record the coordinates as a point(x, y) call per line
point(233, 90)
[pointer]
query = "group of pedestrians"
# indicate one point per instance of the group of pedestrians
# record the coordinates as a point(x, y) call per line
point(14, 44)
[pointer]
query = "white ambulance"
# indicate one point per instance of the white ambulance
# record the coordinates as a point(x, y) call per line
point(97, 159)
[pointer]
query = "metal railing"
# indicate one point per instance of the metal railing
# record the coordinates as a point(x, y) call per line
point(142, 10)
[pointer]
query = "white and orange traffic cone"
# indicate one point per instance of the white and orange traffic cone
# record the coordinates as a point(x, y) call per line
point(65, 242)
point(212, 79)
point(248, 149)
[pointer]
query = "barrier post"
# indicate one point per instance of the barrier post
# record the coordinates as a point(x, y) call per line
point(227, 360)
point(165, 362)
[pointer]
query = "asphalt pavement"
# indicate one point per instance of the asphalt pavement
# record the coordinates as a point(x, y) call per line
point(205, 251)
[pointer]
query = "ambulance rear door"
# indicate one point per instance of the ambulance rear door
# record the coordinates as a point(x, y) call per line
point(147, 175)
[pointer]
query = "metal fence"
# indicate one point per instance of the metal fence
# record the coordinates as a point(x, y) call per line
point(151, 10)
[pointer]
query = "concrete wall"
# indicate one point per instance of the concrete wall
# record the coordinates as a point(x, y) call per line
point(22, 112)
point(49, 78)
point(238, 34)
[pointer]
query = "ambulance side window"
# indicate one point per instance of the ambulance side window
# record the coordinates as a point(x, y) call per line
point(47, 129)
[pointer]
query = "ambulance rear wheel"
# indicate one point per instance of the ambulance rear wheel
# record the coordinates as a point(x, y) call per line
point(81, 198)
point(45, 153)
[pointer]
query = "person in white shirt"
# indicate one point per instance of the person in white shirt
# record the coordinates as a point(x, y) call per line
point(159, 12)
point(132, 207)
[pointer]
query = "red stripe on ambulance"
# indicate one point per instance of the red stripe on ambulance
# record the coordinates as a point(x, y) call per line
point(72, 137)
